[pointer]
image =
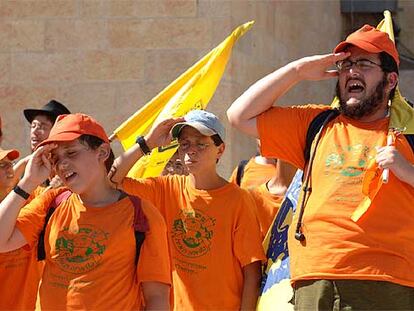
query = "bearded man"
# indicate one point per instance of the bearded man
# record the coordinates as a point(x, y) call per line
point(337, 262)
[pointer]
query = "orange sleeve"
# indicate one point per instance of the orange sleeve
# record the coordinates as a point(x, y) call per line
point(247, 237)
point(146, 188)
point(154, 262)
point(31, 218)
point(282, 132)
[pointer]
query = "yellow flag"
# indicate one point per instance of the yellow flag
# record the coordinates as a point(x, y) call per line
point(401, 118)
point(192, 90)
point(401, 114)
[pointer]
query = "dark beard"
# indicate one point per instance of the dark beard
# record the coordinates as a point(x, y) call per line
point(366, 107)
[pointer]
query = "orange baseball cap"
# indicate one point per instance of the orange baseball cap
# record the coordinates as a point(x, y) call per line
point(12, 154)
point(371, 40)
point(69, 127)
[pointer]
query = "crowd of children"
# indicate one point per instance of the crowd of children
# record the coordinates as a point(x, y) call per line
point(187, 240)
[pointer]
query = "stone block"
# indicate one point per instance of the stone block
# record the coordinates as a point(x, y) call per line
point(43, 68)
point(159, 33)
point(37, 8)
point(5, 68)
point(75, 34)
point(166, 8)
point(114, 65)
point(167, 65)
point(92, 8)
point(22, 35)
point(214, 8)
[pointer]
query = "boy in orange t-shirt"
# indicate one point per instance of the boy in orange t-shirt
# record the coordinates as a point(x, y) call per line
point(89, 239)
point(339, 260)
point(213, 234)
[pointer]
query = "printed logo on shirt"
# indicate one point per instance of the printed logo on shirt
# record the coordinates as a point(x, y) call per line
point(80, 251)
point(350, 161)
point(192, 233)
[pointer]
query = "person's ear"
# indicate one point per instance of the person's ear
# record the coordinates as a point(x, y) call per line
point(104, 151)
point(220, 151)
point(392, 79)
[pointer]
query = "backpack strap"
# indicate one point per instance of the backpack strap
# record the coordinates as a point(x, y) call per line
point(410, 139)
point(140, 225)
point(315, 126)
point(63, 196)
point(240, 171)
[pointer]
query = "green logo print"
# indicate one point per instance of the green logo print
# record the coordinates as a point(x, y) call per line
point(80, 251)
point(192, 233)
point(350, 162)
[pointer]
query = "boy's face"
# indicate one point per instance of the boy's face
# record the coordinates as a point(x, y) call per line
point(78, 165)
point(6, 173)
point(39, 130)
point(198, 152)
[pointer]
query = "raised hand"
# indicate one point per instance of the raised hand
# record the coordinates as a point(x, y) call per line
point(317, 67)
point(39, 166)
point(160, 134)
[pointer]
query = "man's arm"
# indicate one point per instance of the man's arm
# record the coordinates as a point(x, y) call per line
point(389, 157)
point(156, 295)
point(159, 135)
point(262, 95)
point(251, 285)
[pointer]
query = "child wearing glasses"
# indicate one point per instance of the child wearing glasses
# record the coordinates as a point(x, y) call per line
point(92, 257)
point(213, 235)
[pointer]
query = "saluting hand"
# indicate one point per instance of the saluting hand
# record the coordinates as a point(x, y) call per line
point(160, 134)
point(39, 166)
point(316, 67)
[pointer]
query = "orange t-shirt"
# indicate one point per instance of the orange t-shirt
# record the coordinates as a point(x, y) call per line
point(267, 206)
point(212, 235)
point(379, 246)
point(19, 279)
point(90, 253)
point(254, 174)
point(20, 273)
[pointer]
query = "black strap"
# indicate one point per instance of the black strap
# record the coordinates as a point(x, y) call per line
point(314, 128)
point(41, 253)
point(410, 139)
point(240, 171)
point(139, 239)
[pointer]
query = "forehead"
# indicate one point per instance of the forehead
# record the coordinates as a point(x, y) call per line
point(42, 119)
point(63, 145)
point(357, 52)
point(190, 132)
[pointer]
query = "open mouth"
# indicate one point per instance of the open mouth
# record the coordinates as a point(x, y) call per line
point(355, 86)
point(69, 176)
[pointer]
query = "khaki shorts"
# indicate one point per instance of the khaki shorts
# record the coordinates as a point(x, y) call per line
point(335, 295)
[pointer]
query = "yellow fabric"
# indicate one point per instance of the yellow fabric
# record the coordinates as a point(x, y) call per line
point(401, 119)
point(192, 90)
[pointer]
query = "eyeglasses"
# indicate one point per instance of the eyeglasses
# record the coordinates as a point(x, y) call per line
point(184, 146)
point(362, 64)
point(6, 165)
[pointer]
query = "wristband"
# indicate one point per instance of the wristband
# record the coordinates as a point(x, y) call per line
point(143, 145)
point(19, 191)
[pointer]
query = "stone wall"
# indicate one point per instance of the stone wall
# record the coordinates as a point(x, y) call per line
point(107, 58)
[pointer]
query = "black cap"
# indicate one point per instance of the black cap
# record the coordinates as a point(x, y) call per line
point(52, 109)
